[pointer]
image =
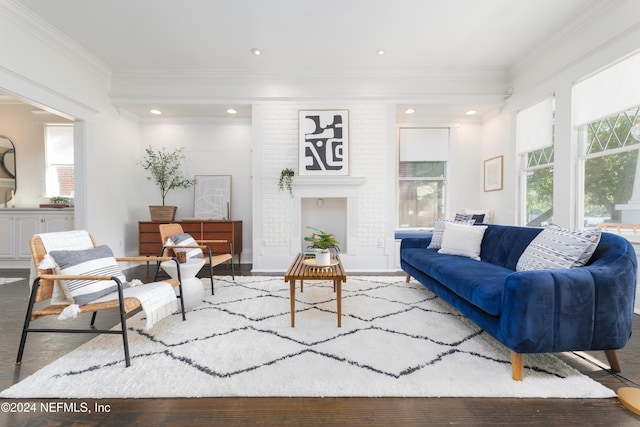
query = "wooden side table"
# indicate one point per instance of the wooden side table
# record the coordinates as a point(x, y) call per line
point(301, 271)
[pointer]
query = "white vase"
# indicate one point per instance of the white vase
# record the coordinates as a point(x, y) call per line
point(323, 259)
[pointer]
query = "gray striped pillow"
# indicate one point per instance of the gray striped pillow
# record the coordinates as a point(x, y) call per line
point(185, 239)
point(98, 261)
point(557, 247)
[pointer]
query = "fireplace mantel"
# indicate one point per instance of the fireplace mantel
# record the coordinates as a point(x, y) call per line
point(326, 181)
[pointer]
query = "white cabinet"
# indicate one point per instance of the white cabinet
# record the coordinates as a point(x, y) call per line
point(17, 226)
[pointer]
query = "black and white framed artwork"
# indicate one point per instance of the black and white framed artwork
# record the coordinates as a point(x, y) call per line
point(323, 142)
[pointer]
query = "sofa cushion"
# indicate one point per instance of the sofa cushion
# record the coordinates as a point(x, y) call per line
point(463, 240)
point(557, 247)
point(479, 283)
point(503, 244)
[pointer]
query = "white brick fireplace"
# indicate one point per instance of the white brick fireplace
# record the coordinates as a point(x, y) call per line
point(331, 187)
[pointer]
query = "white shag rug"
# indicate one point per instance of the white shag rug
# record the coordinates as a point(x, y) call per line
point(396, 339)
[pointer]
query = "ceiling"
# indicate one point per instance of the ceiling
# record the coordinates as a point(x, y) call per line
point(304, 36)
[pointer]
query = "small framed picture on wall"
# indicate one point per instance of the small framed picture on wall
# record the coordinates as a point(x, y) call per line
point(323, 142)
point(493, 174)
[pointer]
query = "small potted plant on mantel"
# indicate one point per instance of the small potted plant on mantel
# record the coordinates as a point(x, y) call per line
point(323, 241)
point(165, 169)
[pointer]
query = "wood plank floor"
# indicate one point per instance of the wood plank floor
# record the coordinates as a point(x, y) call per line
point(44, 348)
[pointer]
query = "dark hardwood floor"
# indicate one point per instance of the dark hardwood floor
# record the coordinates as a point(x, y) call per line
point(42, 349)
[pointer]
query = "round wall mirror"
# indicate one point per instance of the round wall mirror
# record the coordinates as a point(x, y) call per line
point(7, 169)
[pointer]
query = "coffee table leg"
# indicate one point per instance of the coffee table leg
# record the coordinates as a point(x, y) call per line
point(292, 291)
point(338, 286)
point(301, 286)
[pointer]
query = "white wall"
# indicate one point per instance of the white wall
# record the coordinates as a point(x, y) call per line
point(41, 67)
point(212, 147)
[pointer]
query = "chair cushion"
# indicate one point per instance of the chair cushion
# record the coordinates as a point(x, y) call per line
point(556, 247)
point(98, 261)
point(185, 239)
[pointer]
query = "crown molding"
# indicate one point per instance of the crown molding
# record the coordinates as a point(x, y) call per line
point(565, 43)
point(52, 37)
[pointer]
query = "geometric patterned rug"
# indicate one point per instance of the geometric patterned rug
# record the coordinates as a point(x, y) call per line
point(6, 280)
point(396, 339)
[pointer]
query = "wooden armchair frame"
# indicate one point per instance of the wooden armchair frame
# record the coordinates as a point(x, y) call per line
point(168, 230)
point(42, 289)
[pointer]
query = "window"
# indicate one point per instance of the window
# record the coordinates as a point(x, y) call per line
point(59, 160)
point(534, 137)
point(610, 158)
point(604, 109)
point(422, 175)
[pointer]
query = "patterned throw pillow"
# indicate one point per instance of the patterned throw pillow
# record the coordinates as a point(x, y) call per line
point(438, 231)
point(97, 261)
point(556, 247)
point(185, 239)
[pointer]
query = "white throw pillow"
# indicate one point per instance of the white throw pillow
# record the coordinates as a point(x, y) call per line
point(556, 247)
point(438, 231)
point(464, 240)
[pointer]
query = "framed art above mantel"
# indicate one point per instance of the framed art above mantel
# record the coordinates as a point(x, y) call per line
point(323, 142)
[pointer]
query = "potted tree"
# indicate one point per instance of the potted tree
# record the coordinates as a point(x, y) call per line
point(323, 241)
point(165, 170)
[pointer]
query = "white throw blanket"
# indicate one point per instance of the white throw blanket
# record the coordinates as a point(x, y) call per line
point(158, 299)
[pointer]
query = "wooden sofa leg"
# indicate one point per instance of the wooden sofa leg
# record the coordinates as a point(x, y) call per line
point(517, 364)
point(407, 279)
point(612, 358)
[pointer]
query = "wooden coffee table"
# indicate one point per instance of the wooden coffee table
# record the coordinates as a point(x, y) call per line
point(299, 270)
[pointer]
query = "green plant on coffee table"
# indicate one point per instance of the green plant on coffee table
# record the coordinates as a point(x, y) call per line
point(322, 240)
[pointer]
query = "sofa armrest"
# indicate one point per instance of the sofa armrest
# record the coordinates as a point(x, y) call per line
point(416, 242)
point(571, 309)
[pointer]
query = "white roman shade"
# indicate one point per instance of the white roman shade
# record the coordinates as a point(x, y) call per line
point(608, 92)
point(534, 127)
point(424, 144)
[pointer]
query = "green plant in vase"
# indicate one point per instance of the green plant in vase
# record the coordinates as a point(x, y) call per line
point(323, 241)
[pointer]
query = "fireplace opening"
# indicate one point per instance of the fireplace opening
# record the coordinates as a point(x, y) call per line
point(326, 213)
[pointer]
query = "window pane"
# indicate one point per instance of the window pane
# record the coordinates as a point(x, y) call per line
point(60, 162)
point(422, 169)
point(421, 203)
point(608, 181)
point(539, 193)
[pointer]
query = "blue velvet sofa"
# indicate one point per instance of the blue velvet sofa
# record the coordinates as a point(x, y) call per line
point(539, 311)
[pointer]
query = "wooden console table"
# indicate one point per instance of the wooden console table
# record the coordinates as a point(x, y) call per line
point(149, 235)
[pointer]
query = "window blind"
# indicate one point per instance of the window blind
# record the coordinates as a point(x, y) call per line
point(534, 127)
point(424, 144)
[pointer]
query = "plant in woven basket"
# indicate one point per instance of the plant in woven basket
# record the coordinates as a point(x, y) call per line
point(165, 169)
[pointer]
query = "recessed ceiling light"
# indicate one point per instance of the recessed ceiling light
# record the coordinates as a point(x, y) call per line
point(409, 111)
point(231, 111)
point(380, 51)
point(256, 51)
point(471, 112)
point(155, 112)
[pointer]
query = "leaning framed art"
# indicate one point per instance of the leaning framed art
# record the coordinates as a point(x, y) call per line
point(493, 173)
point(323, 142)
